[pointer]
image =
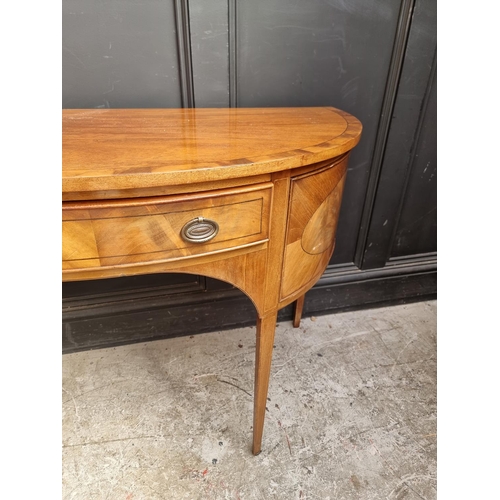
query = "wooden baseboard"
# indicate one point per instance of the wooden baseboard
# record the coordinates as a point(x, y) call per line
point(149, 317)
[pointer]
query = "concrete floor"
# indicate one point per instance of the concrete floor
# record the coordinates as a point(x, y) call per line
point(352, 413)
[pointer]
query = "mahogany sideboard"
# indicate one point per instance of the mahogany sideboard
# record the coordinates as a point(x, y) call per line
point(250, 196)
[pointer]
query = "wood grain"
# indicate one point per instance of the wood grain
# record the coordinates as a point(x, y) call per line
point(122, 233)
point(313, 216)
point(115, 149)
point(263, 355)
point(297, 313)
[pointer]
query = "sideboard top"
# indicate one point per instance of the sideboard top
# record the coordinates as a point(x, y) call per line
point(113, 149)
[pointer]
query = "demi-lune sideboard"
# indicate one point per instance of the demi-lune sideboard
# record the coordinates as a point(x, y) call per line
point(250, 196)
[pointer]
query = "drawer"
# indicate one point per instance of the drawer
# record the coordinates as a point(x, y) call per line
point(161, 229)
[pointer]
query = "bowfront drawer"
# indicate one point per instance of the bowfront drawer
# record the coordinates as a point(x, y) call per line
point(160, 229)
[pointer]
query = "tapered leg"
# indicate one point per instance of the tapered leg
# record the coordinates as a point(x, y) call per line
point(299, 306)
point(263, 355)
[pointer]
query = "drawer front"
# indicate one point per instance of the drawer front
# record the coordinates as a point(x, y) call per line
point(127, 232)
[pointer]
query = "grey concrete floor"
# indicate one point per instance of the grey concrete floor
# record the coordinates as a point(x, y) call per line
point(351, 414)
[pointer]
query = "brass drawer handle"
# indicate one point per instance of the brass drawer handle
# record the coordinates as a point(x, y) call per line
point(199, 230)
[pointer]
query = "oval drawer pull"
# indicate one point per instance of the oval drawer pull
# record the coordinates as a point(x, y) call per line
point(199, 230)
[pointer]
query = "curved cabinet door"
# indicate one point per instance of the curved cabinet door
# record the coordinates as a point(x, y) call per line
point(315, 199)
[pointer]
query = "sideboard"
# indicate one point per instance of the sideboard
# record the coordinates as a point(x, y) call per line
point(250, 196)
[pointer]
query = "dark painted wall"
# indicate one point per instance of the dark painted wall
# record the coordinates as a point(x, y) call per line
point(374, 59)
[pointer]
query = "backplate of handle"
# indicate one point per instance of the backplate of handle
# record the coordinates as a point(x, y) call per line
point(199, 230)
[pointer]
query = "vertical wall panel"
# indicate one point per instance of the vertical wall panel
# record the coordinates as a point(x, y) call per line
point(412, 114)
point(417, 227)
point(319, 53)
point(209, 52)
point(119, 54)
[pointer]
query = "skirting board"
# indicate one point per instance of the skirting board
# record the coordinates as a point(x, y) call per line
point(155, 318)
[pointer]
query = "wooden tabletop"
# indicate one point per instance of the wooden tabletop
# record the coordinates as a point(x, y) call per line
point(113, 149)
